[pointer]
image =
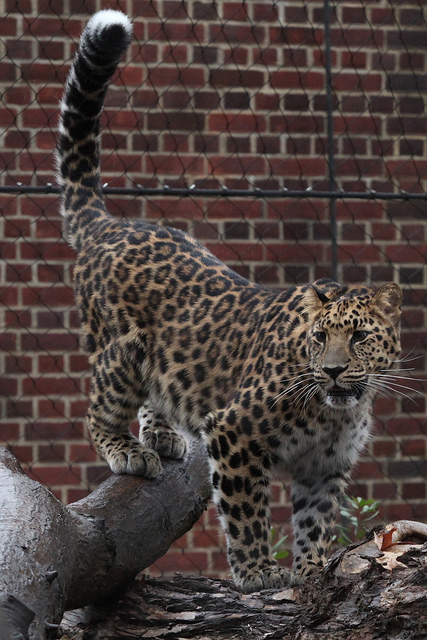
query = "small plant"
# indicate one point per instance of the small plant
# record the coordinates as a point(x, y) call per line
point(355, 512)
point(277, 546)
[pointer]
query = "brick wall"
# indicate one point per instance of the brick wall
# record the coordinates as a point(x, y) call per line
point(217, 94)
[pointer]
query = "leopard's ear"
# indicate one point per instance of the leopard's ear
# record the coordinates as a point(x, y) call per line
point(314, 299)
point(388, 299)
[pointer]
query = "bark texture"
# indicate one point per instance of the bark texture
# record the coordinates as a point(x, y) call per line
point(365, 593)
point(54, 558)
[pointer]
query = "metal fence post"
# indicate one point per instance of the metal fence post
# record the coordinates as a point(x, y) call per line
point(330, 133)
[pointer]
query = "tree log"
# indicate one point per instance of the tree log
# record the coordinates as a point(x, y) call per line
point(364, 593)
point(54, 558)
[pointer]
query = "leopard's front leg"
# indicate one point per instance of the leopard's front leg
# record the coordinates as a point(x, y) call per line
point(316, 504)
point(241, 484)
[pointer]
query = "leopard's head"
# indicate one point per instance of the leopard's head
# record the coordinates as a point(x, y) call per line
point(354, 340)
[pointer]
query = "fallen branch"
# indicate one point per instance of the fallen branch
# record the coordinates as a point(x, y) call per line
point(360, 595)
point(55, 558)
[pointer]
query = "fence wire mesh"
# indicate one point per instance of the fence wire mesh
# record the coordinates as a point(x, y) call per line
point(289, 137)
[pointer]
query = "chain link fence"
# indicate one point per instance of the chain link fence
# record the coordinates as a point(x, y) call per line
point(289, 137)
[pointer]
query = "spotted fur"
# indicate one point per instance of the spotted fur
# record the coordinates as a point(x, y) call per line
point(271, 379)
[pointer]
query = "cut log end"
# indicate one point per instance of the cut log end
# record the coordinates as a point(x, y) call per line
point(56, 557)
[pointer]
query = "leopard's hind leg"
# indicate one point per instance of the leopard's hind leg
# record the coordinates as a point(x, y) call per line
point(157, 434)
point(115, 397)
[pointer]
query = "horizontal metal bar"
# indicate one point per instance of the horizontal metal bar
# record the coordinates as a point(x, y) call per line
point(195, 192)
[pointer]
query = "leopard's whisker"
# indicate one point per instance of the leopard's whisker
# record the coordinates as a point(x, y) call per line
point(306, 390)
point(407, 357)
point(289, 391)
point(296, 382)
point(378, 386)
point(391, 379)
point(294, 388)
point(310, 394)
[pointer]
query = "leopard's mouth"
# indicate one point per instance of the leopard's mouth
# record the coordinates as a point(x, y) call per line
point(343, 398)
point(341, 392)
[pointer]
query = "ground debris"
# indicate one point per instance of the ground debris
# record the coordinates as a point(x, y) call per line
point(359, 596)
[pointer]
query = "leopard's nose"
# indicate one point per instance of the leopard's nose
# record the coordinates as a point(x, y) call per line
point(334, 372)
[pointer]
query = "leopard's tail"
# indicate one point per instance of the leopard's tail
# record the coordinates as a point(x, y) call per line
point(106, 37)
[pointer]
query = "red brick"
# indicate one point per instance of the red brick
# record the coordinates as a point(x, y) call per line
point(24, 454)
point(403, 253)
point(233, 78)
point(189, 562)
point(18, 364)
point(55, 475)
point(51, 431)
point(82, 453)
point(413, 447)
point(384, 491)
point(73, 495)
point(206, 538)
point(236, 252)
point(78, 363)
point(17, 228)
point(267, 275)
point(19, 272)
point(354, 60)
point(51, 296)
point(356, 82)
point(405, 426)
point(45, 385)
point(219, 562)
point(399, 511)
point(9, 297)
point(295, 253)
point(49, 342)
point(51, 408)
point(9, 431)
point(368, 470)
point(281, 514)
point(8, 74)
point(414, 491)
point(55, 251)
point(307, 167)
point(50, 364)
point(8, 26)
point(8, 386)
point(78, 408)
point(230, 208)
point(19, 409)
point(51, 453)
point(383, 231)
point(49, 229)
point(384, 448)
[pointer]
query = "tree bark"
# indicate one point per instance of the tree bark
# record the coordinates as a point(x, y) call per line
point(54, 558)
point(363, 594)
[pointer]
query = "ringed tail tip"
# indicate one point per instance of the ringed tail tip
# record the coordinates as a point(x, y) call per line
point(108, 30)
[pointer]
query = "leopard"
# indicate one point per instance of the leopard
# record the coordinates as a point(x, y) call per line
point(274, 381)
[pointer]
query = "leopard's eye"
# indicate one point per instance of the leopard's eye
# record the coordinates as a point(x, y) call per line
point(320, 336)
point(360, 335)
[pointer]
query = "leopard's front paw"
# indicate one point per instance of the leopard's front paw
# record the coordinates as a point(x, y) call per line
point(134, 459)
point(271, 577)
point(167, 442)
